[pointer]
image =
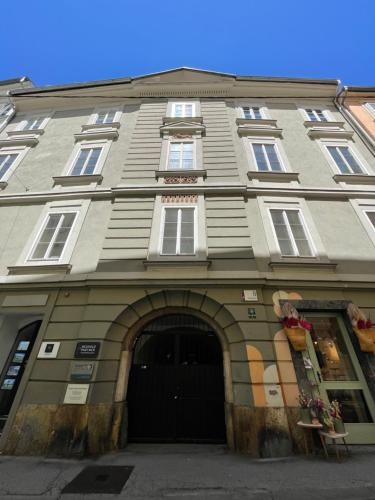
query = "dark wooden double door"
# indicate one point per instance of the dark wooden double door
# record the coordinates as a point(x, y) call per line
point(176, 388)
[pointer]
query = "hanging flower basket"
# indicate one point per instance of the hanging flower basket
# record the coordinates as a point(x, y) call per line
point(297, 337)
point(366, 338)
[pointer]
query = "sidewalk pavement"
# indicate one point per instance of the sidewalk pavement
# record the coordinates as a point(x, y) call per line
point(197, 472)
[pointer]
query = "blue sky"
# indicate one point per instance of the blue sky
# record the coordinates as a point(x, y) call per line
point(62, 41)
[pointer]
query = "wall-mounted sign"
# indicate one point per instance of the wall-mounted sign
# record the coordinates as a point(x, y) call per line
point(49, 350)
point(76, 394)
point(250, 296)
point(87, 350)
point(81, 370)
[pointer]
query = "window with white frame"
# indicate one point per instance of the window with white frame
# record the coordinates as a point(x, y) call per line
point(344, 159)
point(183, 109)
point(370, 214)
point(316, 115)
point(291, 233)
point(266, 156)
point(252, 112)
point(5, 112)
point(371, 107)
point(178, 231)
point(53, 236)
point(86, 161)
point(34, 122)
point(7, 159)
point(105, 116)
point(180, 156)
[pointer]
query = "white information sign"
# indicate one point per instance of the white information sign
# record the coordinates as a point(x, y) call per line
point(49, 350)
point(250, 295)
point(76, 394)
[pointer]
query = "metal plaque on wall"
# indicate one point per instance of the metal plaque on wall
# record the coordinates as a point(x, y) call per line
point(87, 350)
point(81, 370)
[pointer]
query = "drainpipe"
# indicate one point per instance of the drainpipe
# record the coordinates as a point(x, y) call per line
point(363, 134)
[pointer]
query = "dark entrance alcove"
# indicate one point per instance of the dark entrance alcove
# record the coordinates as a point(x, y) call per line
point(176, 383)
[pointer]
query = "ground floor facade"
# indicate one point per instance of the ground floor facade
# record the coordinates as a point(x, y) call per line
point(89, 367)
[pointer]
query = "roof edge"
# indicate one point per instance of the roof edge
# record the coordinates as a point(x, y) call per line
point(19, 79)
point(119, 81)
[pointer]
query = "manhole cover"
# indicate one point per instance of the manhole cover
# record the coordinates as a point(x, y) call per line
point(100, 479)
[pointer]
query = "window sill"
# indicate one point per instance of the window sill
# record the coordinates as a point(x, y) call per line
point(21, 133)
point(99, 126)
point(29, 139)
point(273, 176)
point(178, 264)
point(302, 263)
point(40, 269)
point(355, 178)
point(77, 180)
point(97, 133)
point(187, 119)
point(262, 128)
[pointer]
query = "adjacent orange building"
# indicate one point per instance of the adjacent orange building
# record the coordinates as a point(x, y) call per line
point(360, 103)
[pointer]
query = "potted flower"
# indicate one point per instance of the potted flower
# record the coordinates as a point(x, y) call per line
point(305, 407)
point(317, 410)
point(326, 420)
point(363, 328)
point(335, 412)
point(295, 327)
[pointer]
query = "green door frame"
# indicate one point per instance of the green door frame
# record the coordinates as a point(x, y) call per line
point(359, 433)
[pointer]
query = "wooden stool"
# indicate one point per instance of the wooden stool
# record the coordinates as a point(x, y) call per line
point(306, 428)
point(334, 436)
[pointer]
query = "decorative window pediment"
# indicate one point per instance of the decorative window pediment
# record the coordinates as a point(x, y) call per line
point(97, 132)
point(320, 129)
point(182, 127)
point(21, 138)
point(258, 127)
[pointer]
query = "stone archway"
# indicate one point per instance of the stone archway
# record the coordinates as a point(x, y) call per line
point(134, 318)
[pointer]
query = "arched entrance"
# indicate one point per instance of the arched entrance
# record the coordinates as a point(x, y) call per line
point(176, 382)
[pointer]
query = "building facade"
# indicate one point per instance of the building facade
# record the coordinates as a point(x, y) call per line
point(152, 230)
point(359, 104)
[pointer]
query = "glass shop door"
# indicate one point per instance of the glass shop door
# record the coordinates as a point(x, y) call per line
point(338, 375)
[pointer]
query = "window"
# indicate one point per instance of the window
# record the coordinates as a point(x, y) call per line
point(345, 160)
point(6, 161)
point(371, 217)
point(103, 117)
point(371, 107)
point(53, 237)
point(178, 231)
point(290, 233)
point(183, 109)
point(252, 112)
point(181, 156)
point(266, 157)
point(33, 123)
point(316, 115)
point(5, 113)
point(86, 161)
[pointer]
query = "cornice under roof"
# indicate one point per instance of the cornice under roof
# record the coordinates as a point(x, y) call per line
point(128, 80)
